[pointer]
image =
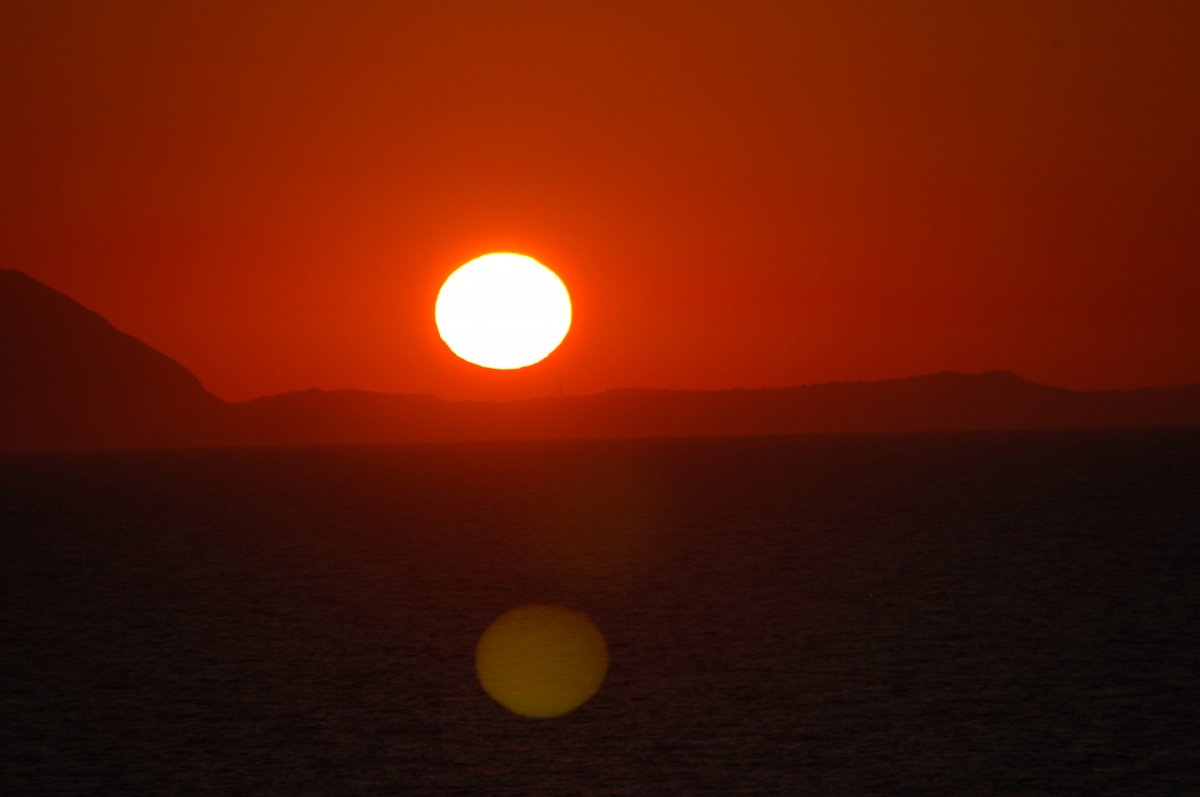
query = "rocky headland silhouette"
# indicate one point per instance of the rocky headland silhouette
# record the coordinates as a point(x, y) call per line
point(73, 381)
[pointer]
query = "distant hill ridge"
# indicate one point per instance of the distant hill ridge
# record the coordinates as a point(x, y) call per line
point(73, 381)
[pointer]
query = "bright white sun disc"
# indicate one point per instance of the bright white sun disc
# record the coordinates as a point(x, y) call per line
point(503, 311)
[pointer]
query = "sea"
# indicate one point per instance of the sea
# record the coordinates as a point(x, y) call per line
point(1004, 613)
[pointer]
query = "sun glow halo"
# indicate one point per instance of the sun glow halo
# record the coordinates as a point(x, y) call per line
point(503, 311)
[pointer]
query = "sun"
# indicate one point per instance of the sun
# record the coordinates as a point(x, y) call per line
point(503, 311)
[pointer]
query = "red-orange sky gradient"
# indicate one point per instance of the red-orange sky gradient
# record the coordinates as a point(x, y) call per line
point(736, 194)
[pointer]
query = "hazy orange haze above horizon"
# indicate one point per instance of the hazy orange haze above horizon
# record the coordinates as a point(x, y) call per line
point(735, 194)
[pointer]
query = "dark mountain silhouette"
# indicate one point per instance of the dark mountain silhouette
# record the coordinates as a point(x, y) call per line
point(940, 402)
point(70, 380)
point(73, 381)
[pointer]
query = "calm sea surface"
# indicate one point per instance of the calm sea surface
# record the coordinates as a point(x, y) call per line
point(1012, 614)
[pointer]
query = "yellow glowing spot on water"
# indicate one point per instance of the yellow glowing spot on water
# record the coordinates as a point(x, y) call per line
point(541, 660)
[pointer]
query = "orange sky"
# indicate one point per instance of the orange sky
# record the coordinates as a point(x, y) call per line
point(736, 194)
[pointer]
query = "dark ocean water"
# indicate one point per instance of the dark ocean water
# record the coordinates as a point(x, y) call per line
point(1010, 614)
